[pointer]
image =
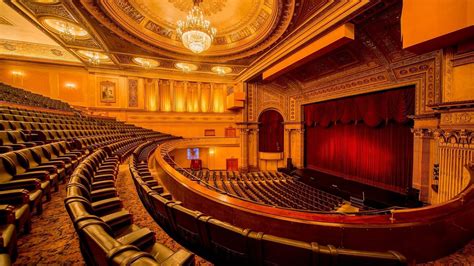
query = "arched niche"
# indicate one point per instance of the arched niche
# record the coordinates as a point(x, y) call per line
point(271, 131)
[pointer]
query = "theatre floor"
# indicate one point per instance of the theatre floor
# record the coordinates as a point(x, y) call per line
point(53, 240)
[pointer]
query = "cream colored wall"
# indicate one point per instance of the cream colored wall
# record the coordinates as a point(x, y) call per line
point(213, 157)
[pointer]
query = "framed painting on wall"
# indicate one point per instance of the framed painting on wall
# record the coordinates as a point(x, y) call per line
point(107, 92)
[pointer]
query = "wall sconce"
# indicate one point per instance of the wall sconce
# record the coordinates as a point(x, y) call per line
point(17, 73)
point(211, 151)
point(17, 77)
point(70, 86)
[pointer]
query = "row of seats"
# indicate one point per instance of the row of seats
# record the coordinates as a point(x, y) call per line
point(232, 245)
point(106, 231)
point(270, 188)
point(19, 96)
point(27, 178)
point(32, 165)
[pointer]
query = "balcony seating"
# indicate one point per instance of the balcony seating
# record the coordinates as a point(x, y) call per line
point(8, 238)
point(114, 232)
point(270, 188)
point(16, 203)
point(42, 141)
point(232, 245)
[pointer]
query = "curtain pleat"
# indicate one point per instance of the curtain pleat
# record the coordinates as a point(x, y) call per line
point(377, 150)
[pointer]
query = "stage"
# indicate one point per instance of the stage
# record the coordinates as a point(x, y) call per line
point(373, 197)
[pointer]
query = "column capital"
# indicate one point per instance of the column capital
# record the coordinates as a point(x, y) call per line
point(422, 132)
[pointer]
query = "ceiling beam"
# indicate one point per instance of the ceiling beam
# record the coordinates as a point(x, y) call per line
point(328, 42)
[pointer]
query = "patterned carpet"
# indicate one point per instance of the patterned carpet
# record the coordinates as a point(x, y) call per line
point(59, 244)
point(53, 240)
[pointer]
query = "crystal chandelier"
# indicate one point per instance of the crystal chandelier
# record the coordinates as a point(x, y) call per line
point(94, 59)
point(196, 32)
point(67, 32)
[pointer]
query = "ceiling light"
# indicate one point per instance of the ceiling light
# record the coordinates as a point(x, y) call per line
point(221, 70)
point(186, 67)
point(67, 30)
point(196, 32)
point(94, 58)
point(146, 63)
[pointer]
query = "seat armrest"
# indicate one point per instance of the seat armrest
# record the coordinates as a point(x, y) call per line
point(42, 175)
point(103, 184)
point(107, 205)
point(14, 196)
point(16, 146)
point(29, 184)
point(50, 168)
point(7, 214)
point(59, 164)
point(29, 144)
point(65, 159)
point(104, 177)
point(103, 193)
point(4, 149)
point(119, 219)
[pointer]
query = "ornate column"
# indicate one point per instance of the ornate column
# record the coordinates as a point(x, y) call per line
point(244, 139)
point(294, 143)
point(253, 148)
point(423, 162)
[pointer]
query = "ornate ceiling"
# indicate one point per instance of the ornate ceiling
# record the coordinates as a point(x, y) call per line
point(20, 39)
point(377, 46)
point(247, 30)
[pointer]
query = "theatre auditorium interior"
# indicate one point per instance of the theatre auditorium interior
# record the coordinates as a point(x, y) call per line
point(237, 132)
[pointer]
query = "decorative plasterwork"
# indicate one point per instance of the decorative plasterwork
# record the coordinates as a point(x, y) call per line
point(10, 48)
point(125, 29)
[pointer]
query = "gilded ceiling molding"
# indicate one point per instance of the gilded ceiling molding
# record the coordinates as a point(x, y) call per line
point(281, 22)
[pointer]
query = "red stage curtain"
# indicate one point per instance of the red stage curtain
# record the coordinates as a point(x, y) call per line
point(364, 138)
point(270, 132)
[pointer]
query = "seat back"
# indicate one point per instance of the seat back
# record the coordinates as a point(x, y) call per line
point(25, 157)
point(187, 225)
point(6, 173)
point(228, 242)
point(15, 167)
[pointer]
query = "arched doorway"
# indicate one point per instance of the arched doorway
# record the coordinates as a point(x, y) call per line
point(271, 132)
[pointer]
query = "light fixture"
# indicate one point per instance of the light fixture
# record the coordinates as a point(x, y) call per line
point(70, 86)
point(146, 63)
point(17, 73)
point(196, 32)
point(94, 58)
point(186, 67)
point(67, 30)
point(221, 70)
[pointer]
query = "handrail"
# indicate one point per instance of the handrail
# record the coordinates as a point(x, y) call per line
point(193, 177)
point(395, 229)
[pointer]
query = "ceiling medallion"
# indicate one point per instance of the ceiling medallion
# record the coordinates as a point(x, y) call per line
point(196, 32)
point(221, 70)
point(94, 58)
point(67, 30)
point(186, 67)
point(146, 63)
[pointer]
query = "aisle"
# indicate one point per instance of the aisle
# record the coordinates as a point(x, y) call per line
point(53, 239)
point(132, 203)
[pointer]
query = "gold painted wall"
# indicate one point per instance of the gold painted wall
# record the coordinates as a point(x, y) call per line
point(213, 158)
point(183, 108)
